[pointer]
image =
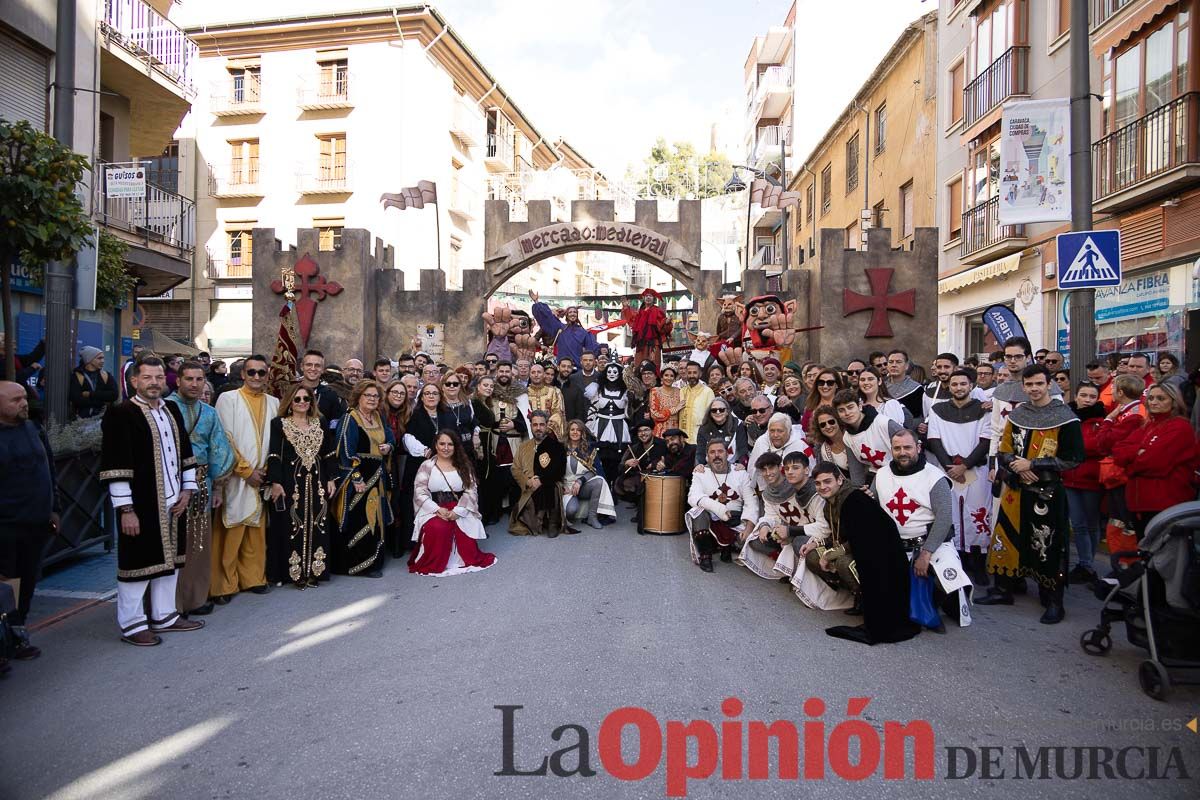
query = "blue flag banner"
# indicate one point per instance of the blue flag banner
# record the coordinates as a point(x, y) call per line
point(1003, 323)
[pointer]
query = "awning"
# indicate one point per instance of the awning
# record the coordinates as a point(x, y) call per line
point(981, 273)
point(1131, 22)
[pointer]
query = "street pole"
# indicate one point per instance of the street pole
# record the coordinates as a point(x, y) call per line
point(783, 211)
point(1083, 301)
point(59, 275)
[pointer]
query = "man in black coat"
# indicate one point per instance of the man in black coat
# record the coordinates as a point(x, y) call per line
point(575, 405)
point(92, 390)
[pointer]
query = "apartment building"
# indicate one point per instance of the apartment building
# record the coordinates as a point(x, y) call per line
point(134, 81)
point(871, 168)
point(1146, 177)
point(306, 120)
point(770, 97)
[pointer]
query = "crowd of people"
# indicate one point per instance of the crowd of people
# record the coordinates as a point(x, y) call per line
point(873, 486)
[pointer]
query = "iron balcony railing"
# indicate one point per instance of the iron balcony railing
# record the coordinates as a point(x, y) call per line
point(327, 178)
point(1102, 10)
point(767, 256)
point(235, 267)
point(239, 179)
point(1159, 142)
point(1005, 77)
point(500, 148)
point(160, 215)
point(981, 228)
point(152, 38)
point(238, 94)
point(331, 90)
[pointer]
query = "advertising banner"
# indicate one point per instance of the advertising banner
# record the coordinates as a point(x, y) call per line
point(1035, 169)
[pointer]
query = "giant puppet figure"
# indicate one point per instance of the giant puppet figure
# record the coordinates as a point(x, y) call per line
point(510, 333)
point(650, 326)
point(768, 328)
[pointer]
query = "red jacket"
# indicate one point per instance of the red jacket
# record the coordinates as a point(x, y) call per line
point(1087, 474)
point(1111, 434)
point(1160, 460)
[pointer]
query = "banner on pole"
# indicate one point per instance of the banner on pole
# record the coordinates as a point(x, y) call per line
point(1003, 323)
point(1035, 163)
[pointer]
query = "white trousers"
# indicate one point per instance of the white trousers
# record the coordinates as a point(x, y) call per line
point(131, 607)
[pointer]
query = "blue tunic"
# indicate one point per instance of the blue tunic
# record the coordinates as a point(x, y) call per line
point(210, 445)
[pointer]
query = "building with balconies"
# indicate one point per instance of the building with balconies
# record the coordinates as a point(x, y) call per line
point(134, 81)
point(285, 138)
point(870, 168)
point(990, 53)
point(769, 88)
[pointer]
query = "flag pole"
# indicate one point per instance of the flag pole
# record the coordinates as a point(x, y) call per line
point(437, 216)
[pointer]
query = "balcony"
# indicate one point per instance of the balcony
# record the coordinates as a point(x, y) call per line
point(151, 39)
point(1005, 78)
point(240, 180)
point(464, 202)
point(466, 123)
point(767, 147)
point(330, 92)
point(499, 155)
point(984, 238)
point(159, 216)
point(768, 258)
point(774, 91)
point(237, 96)
point(236, 268)
point(773, 46)
point(1150, 157)
point(1104, 10)
point(326, 179)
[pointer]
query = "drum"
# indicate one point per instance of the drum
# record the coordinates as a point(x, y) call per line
point(663, 505)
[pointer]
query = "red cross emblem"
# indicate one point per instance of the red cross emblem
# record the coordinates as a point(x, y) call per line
point(872, 457)
point(309, 281)
point(879, 302)
point(902, 506)
point(791, 515)
point(726, 494)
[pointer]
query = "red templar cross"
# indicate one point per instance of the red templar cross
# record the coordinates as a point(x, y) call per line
point(872, 457)
point(791, 515)
point(727, 494)
point(902, 506)
point(318, 287)
point(879, 302)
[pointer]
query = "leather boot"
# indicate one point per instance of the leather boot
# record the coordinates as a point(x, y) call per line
point(706, 562)
point(726, 554)
point(996, 597)
point(1054, 608)
point(856, 610)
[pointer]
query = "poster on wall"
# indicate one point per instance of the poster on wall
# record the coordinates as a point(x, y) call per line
point(1035, 163)
point(433, 340)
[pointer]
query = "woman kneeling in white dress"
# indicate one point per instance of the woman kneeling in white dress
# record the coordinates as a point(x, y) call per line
point(446, 504)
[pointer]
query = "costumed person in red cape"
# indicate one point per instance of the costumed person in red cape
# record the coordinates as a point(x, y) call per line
point(650, 326)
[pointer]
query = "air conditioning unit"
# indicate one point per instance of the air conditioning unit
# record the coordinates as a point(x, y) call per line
point(1048, 269)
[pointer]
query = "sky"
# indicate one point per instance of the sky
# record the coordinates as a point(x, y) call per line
point(611, 76)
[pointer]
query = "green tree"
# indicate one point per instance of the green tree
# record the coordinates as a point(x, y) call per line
point(677, 171)
point(43, 217)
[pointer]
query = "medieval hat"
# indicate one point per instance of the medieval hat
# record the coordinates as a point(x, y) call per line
point(674, 432)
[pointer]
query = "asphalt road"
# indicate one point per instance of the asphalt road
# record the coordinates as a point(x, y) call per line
point(387, 688)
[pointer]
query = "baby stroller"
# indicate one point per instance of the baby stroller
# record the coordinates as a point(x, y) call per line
point(1157, 596)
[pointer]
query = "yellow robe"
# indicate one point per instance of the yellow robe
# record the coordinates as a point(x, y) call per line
point(550, 400)
point(696, 400)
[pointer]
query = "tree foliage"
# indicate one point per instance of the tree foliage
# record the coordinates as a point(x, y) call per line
point(677, 171)
point(43, 216)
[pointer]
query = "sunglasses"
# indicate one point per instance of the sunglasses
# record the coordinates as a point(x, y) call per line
point(829, 423)
point(854, 372)
point(256, 373)
point(720, 410)
point(452, 383)
point(301, 399)
point(827, 383)
point(759, 410)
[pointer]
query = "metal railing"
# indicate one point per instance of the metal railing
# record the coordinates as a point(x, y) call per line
point(238, 94)
point(160, 216)
point(981, 228)
point(1008, 75)
point(326, 178)
point(774, 78)
point(1102, 10)
point(239, 180)
point(237, 267)
point(1161, 141)
point(151, 37)
point(767, 256)
point(331, 90)
point(500, 148)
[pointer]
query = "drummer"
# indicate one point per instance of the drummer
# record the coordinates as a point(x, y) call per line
point(680, 458)
point(642, 456)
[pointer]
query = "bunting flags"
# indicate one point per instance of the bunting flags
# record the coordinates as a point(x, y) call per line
point(285, 360)
point(411, 197)
point(768, 195)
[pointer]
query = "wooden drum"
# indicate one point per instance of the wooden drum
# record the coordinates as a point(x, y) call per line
point(663, 505)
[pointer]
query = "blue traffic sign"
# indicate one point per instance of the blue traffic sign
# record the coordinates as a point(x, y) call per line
point(1089, 259)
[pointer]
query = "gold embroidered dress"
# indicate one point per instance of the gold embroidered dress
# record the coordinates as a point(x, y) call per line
point(297, 539)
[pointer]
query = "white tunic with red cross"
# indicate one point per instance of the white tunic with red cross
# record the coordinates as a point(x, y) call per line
point(872, 447)
point(906, 498)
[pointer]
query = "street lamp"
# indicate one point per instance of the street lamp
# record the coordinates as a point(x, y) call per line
point(736, 184)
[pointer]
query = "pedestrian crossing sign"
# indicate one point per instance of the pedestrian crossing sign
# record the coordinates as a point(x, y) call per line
point(1089, 259)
